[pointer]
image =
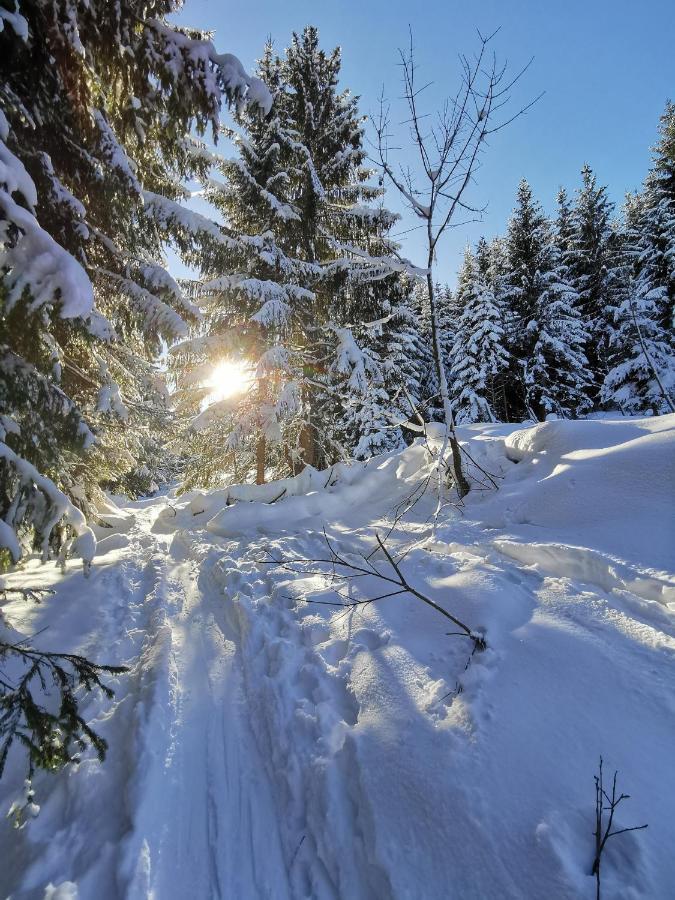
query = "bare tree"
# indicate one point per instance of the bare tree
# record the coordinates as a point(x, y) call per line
point(449, 144)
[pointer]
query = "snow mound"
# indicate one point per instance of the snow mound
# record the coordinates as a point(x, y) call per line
point(309, 499)
point(603, 484)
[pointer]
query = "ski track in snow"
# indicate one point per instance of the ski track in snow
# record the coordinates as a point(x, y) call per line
point(263, 747)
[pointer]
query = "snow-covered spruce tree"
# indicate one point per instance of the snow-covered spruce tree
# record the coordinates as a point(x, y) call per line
point(302, 273)
point(527, 235)
point(491, 259)
point(556, 372)
point(95, 101)
point(590, 260)
point(479, 356)
point(431, 404)
point(408, 364)
point(376, 414)
point(564, 232)
point(642, 346)
point(546, 335)
point(448, 310)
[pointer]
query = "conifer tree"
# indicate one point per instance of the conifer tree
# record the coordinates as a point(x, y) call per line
point(479, 356)
point(429, 396)
point(547, 337)
point(592, 258)
point(556, 377)
point(407, 359)
point(642, 348)
point(527, 234)
point(95, 104)
point(447, 317)
point(315, 268)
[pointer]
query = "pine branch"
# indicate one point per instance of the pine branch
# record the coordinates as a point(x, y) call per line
point(50, 739)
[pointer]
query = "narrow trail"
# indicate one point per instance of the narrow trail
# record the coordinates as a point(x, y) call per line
point(206, 785)
point(182, 807)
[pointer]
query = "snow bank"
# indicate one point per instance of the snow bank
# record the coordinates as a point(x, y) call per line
point(313, 498)
point(604, 484)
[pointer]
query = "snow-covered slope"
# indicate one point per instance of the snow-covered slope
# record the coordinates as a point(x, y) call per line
point(264, 746)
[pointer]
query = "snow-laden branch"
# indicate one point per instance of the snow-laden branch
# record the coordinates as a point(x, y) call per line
point(60, 508)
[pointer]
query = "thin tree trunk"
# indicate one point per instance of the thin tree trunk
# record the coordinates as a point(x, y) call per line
point(260, 459)
point(463, 486)
point(664, 392)
point(307, 444)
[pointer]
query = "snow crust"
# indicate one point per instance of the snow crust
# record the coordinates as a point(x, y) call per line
point(264, 746)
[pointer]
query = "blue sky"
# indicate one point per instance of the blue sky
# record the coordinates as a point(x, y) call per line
point(607, 67)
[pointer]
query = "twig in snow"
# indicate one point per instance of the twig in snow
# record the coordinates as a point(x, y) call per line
point(30, 593)
point(604, 831)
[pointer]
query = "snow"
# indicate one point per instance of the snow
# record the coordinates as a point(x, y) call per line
point(35, 262)
point(9, 541)
point(16, 20)
point(61, 509)
point(158, 316)
point(264, 746)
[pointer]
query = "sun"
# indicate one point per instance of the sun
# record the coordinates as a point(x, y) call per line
point(228, 379)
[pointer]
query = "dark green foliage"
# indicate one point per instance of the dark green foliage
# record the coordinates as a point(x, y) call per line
point(96, 104)
point(40, 707)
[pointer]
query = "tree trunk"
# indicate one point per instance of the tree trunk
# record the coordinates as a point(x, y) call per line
point(307, 445)
point(463, 486)
point(260, 460)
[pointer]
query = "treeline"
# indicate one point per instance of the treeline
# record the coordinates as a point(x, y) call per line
point(574, 314)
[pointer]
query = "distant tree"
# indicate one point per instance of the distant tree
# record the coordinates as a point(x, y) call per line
point(479, 355)
point(642, 344)
point(590, 261)
point(527, 236)
point(556, 371)
point(548, 371)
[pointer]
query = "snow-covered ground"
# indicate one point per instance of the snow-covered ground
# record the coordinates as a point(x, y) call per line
point(266, 747)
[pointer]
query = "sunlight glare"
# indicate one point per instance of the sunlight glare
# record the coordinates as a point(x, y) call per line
point(228, 379)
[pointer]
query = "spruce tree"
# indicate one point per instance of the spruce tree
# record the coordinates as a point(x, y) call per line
point(548, 372)
point(96, 101)
point(591, 258)
point(479, 355)
point(314, 272)
point(447, 318)
point(556, 371)
point(527, 235)
point(642, 349)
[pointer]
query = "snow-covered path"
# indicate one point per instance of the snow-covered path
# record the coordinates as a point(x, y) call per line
point(263, 747)
point(204, 825)
point(182, 807)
